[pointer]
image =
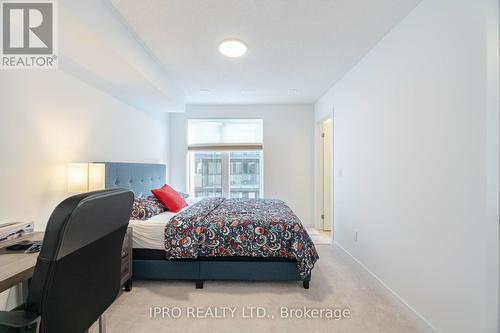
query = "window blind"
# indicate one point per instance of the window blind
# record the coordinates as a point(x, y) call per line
point(225, 134)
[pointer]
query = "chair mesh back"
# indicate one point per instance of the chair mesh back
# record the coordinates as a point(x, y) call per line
point(77, 275)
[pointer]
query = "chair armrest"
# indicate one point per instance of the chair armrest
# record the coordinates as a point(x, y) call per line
point(19, 319)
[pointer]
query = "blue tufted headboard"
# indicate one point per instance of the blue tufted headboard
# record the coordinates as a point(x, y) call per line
point(140, 178)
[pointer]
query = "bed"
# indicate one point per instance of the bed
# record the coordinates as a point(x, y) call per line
point(187, 245)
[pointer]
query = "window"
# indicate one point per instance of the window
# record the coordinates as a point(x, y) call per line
point(225, 158)
point(244, 174)
point(207, 178)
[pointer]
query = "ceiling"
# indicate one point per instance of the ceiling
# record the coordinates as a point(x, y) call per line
point(120, 67)
point(297, 49)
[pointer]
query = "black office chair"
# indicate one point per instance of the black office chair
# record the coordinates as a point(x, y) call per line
point(77, 274)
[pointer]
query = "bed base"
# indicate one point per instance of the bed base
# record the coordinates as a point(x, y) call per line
point(200, 271)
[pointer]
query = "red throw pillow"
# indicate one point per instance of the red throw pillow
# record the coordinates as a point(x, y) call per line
point(169, 198)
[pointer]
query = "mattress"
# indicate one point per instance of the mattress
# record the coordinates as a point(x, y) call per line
point(150, 234)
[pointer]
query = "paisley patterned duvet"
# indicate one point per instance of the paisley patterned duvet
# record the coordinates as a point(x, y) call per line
point(240, 227)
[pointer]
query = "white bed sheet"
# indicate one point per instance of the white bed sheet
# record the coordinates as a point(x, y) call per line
point(149, 234)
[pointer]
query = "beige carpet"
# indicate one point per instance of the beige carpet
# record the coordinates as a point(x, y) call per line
point(319, 237)
point(337, 283)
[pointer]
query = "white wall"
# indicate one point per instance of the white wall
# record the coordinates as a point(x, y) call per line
point(288, 153)
point(50, 118)
point(416, 137)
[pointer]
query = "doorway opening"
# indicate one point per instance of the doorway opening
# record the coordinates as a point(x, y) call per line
point(324, 181)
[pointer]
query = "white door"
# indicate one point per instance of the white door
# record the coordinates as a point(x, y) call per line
point(327, 175)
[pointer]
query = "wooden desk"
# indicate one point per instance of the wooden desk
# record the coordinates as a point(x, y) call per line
point(17, 266)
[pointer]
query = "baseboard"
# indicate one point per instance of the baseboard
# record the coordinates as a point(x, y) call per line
point(425, 325)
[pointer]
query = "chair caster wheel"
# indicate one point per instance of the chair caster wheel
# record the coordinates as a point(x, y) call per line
point(128, 285)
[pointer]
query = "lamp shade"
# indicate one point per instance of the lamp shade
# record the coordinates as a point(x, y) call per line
point(97, 176)
point(78, 177)
point(84, 177)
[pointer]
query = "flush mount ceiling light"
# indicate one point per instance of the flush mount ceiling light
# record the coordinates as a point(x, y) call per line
point(232, 48)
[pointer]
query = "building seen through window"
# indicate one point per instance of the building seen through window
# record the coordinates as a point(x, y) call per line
point(243, 172)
